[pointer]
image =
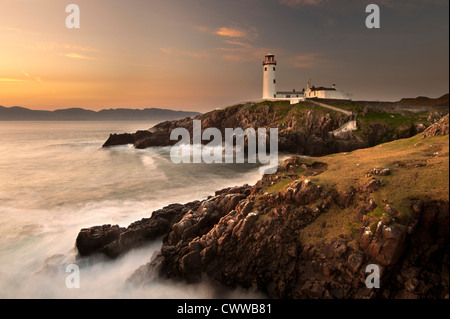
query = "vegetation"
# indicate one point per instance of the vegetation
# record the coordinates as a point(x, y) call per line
point(419, 171)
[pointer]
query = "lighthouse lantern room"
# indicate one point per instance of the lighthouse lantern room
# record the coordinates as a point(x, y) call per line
point(270, 82)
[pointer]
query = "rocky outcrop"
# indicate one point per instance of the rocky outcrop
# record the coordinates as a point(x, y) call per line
point(114, 240)
point(439, 128)
point(386, 245)
point(237, 241)
point(311, 132)
point(138, 139)
point(247, 238)
point(251, 237)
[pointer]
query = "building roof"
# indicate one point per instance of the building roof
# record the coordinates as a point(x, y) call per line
point(321, 88)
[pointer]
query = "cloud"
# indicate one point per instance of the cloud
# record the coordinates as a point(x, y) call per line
point(308, 60)
point(33, 78)
point(28, 78)
point(78, 56)
point(11, 80)
point(238, 43)
point(231, 32)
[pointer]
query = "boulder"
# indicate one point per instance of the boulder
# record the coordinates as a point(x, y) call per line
point(386, 245)
point(439, 128)
point(95, 239)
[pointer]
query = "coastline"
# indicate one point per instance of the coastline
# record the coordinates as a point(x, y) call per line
point(253, 237)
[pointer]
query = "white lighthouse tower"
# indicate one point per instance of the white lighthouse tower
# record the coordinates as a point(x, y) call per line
point(270, 82)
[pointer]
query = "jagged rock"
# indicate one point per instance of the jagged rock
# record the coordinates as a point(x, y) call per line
point(355, 261)
point(114, 240)
point(371, 186)
point(439, 128)
point(372, 205)
point(94, 239)
point(391, 210)
point(119, 139)
point(241, 237)
point(308, 134)
point(379, 171)
point(386, 245)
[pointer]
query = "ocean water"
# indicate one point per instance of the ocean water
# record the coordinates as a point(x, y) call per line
point(55, 178)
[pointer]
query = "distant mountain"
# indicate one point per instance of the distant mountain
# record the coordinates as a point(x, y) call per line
point(17, 113)
point(426, 101)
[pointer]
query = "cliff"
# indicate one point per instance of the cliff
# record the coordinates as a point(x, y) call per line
point(310, 230)
point(303, 128)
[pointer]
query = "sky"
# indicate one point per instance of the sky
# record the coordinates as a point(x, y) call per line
point(199, 55)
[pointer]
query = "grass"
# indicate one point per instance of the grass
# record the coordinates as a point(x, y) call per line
point(424, 173)
point(277, 187)
point(419, 171)
point(282, 110)
point(355, 108)
point(331, 224)
point(394, 119)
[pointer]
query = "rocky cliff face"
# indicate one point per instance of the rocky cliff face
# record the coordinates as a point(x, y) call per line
point(440, 128)
point(240, 237)
point(303, 129)
point(311, 229)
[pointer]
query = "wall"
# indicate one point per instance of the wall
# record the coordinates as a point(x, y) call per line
point(269, 87)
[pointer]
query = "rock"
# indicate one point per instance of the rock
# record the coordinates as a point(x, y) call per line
point(94, 239)
point(439, 128)
point(119, 139)
point(391, 210)
point(308, 134)
point(371, 186)
point(386, 245)
point(372, 205)
point(378, 171)
point(355, 261)
point(292, 162)
point(114, 240)
point(243, 238)
point(362, 211)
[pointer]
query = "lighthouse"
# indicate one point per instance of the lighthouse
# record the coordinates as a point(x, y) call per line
point(270, 82)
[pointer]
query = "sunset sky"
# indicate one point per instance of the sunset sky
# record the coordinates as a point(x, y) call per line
point(203, 54)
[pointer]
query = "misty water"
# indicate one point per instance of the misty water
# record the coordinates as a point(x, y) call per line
point(55, 178)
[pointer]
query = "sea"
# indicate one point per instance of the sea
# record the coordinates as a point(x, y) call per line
point(55, 179)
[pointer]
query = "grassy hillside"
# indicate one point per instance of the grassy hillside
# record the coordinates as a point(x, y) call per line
point(419, 170)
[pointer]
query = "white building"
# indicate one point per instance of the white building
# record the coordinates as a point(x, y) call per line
point(295, 96)
point(270, 81)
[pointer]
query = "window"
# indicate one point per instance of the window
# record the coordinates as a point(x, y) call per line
point(288, 96)
point(265, 69)
point(274, 81)
point(275, 96)
point(274, 68)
